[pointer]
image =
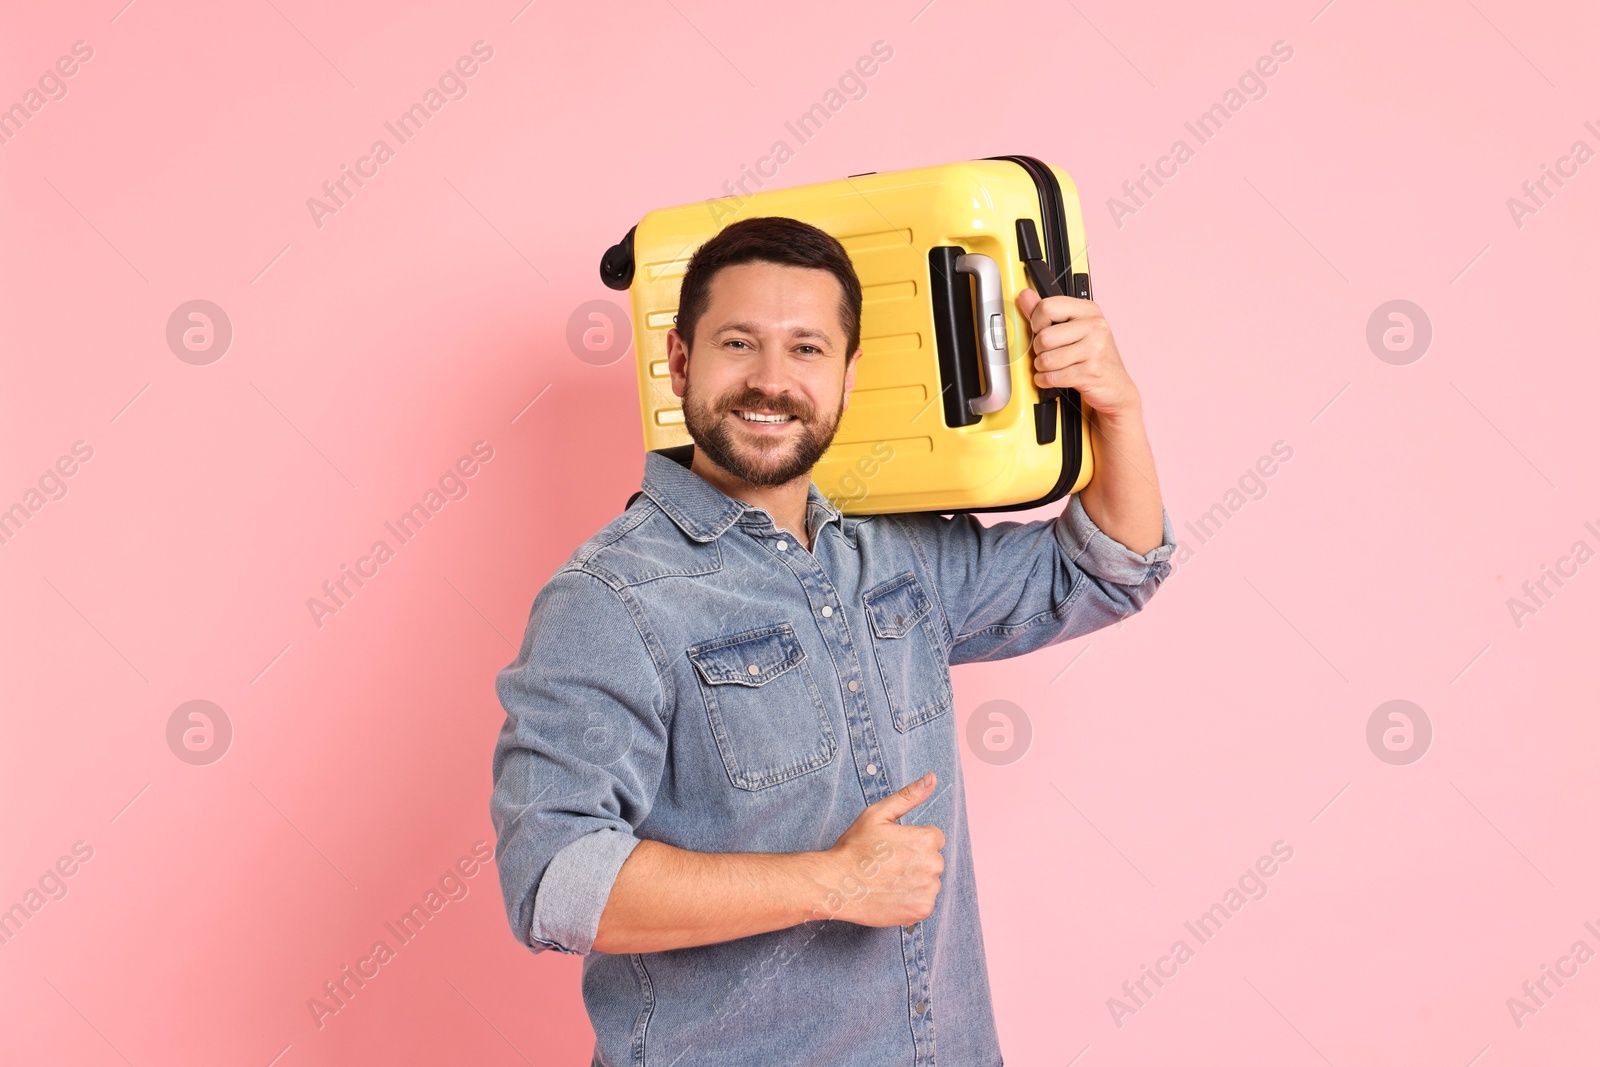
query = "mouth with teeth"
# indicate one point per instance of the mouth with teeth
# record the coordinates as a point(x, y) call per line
point(761, 418)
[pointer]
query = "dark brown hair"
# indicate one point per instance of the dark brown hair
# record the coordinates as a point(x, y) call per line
point(771, 239)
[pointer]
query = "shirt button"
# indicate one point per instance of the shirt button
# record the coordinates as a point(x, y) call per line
point(782, 545)
point(852, 686)
point(872, 768)
point(827, 611)
point(921, 1007)
point(754, 669)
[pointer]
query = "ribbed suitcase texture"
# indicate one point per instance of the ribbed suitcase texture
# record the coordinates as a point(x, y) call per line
point(932, 316)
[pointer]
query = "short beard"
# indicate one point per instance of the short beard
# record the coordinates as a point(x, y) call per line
point(715, 437)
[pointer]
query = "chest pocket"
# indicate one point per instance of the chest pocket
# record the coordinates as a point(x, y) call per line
point(765, 709)
point(915, 677)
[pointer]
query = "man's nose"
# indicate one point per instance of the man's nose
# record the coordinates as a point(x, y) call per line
point(769, 375)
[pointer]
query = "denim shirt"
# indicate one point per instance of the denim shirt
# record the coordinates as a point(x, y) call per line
point(695, 676)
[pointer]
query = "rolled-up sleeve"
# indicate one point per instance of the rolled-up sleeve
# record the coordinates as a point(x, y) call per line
point(1102, 557)
point(1015, 587)
point(577, 761)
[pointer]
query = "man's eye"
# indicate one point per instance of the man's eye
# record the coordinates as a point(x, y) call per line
point(813, 348)
point(734, 341)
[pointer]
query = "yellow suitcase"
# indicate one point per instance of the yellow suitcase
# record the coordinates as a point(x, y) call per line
point(945, 416)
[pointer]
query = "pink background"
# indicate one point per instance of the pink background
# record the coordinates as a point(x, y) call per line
point(370, 353)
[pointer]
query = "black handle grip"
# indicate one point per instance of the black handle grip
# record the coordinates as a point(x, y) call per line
point(1033, 257)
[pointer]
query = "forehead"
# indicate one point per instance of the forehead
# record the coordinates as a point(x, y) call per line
point(776, 296)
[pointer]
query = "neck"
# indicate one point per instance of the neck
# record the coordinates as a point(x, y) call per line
point(786, 503)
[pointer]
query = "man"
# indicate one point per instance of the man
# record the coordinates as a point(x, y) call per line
point(729, 773)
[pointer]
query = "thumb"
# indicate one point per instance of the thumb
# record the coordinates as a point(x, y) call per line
point(907, 797)
point(1027, 300)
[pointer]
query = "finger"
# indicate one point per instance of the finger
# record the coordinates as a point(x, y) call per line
point(1074, 377)
point(903, 800)
point(1061, 335)
point(1074, 359)
point(1053, 309)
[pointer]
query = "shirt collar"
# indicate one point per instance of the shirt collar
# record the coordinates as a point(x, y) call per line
point(705, 512)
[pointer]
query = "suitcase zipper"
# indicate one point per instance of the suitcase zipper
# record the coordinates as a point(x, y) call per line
point(1058, 264)
point(1051, 212)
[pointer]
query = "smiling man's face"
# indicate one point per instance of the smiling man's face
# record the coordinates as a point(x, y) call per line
point(769, 378)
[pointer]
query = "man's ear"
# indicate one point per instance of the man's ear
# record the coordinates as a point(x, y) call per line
point(677, 361)
point(849, 380)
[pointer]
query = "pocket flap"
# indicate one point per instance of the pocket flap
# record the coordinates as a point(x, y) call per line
point(754, 657)
point(896, 606)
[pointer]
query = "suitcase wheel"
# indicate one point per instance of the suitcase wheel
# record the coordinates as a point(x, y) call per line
point(616, 266)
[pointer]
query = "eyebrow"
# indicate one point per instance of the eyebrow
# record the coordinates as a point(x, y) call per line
point(745, 327)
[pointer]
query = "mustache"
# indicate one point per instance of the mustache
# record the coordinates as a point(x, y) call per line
point(781, 405)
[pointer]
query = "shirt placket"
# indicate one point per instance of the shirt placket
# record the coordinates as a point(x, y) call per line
point(920, 1003)
point(827, 607)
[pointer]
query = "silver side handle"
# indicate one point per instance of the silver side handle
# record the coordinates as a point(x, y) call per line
point(991, 323)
